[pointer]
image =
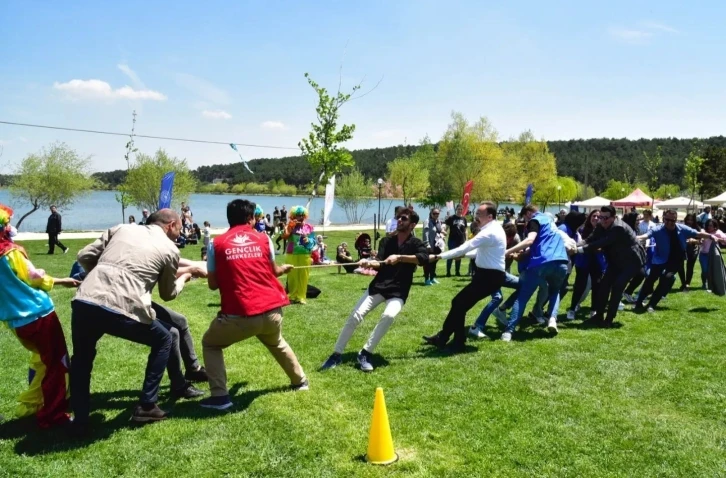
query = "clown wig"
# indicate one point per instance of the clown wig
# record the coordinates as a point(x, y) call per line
point(5, 214)
point(296, 211)
point(258, 212)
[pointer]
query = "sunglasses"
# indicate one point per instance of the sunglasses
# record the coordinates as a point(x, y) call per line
point(434, 213)
point(604, 218)
point(668, 220)
point(402, 218)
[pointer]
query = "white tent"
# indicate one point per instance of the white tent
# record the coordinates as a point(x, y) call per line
point(680, 202)
point(597, 201)
point(718, 200)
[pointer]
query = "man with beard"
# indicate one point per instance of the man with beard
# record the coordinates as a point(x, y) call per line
point(625, 258)
point(670, 252)
point(391, 285)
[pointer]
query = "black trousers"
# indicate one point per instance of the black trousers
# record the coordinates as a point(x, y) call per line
point(612, 286)
point(88, 324)
point(665, 275)
point(593, 271)
point(484, 283)
point(429, 269)
point(685, 274)
point(52, 242)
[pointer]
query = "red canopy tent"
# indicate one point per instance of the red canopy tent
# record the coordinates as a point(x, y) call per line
point(635, 199)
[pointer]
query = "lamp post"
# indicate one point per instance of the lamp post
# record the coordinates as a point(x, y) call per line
point(378, 226)
point(559, 202)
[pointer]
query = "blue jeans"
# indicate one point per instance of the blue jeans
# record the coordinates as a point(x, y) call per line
point(703, 260)
point(551, 274)
point(89, 323)
point(511, 282)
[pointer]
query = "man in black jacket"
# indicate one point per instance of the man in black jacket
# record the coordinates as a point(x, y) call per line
point(53, 229)
point(625, 258)
point(391, 285)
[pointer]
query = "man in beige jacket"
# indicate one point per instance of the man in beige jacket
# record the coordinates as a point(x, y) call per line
point(124, 265)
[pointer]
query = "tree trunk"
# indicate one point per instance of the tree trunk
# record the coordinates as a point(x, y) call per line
point(22, 218)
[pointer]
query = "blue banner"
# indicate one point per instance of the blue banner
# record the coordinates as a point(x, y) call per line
point(528, 194)
point(167, 184)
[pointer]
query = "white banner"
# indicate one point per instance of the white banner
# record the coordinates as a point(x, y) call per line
point(329, 200)
point(450, 205)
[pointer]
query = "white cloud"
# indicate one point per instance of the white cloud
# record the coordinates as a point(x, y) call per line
point(651, 25)
point(97, 89)
point(630, 35)
point(216, 114)
point(132, 76)
point(203, 88)
point(273, 125)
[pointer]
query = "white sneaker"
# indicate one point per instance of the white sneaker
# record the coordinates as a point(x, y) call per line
point(552, 326)
point(477, 333)
point(621, 306)
point(651, 310)
point(592, 314)
point(570, 315)
point(501, 316)
point(506, 337)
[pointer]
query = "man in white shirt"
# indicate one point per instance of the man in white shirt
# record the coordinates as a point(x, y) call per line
point(647, 223)
point(704, 217)
point(392, 224)
point(487, 248)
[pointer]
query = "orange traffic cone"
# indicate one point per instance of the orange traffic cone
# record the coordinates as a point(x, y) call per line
point(380, 442)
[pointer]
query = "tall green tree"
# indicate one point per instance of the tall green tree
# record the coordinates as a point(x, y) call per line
point(322, 148)
point(56, 175)
point(529, 161)
point(652, 168)
point(352, 193)
point(411, 174)
point(143, 182)
point(616, 190)
point(557, 191)
point(713, 172)
point(692, 172)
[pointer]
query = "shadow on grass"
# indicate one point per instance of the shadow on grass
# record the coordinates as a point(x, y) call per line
point(33, 441)
point(704, 310)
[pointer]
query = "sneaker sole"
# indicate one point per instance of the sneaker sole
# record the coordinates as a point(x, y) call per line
point(146, 419)
point(217, 407)
point(552, 330)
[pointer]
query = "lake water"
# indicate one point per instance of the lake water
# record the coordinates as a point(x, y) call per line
point(99, 210)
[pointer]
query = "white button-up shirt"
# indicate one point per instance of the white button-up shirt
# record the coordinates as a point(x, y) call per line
point(487, 248)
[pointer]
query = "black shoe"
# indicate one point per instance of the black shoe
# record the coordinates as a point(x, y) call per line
point(78, 430)
point(188, 391)
point(196, 376)
point(148, 413)
point(434, 340)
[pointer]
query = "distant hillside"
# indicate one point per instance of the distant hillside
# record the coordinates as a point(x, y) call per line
point(590, 161)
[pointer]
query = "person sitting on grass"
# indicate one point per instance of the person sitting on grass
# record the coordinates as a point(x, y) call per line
point(391, 285)
point(27, 309)
point(342, 256)
point(241, 265)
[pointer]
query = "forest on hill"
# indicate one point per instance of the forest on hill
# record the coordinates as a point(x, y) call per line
point(592, 162)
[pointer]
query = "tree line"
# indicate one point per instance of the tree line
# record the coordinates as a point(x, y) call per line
point(592, 162)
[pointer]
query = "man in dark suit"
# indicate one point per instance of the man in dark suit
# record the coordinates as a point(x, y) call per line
point(53, 229)
point(625, 258)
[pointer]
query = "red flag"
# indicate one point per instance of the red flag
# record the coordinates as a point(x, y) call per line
point(467, 191)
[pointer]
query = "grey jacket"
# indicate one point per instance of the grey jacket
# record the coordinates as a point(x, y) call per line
point(431, 228)
point(124, 265)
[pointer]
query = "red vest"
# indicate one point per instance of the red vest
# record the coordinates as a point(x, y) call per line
point(247, 283)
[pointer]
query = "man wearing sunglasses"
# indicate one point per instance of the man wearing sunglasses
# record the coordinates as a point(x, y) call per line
point(625, 257)
point(391, 285)
point(487, 248)
point(670, 252)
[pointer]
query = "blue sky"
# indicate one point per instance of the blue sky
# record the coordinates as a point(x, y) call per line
point(233, 71)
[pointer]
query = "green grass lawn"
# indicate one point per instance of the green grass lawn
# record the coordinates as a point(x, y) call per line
point(646, 399)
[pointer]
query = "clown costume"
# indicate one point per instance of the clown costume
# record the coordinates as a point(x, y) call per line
point(29, 312)
point(300, 244)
